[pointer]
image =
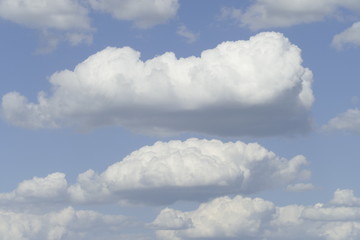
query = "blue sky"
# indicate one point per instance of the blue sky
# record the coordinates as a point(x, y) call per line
point(179, 119)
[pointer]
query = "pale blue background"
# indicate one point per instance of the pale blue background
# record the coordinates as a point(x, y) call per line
point(25, 153)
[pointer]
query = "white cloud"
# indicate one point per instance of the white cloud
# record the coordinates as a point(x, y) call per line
point(345, 197)
point(187, 34)
point(349, 36)
point(348, 121)
point(255, 218)
point(300, 187)
point(171, 219)
point(144, 13)
point(63, 224)
point(59, 14)
point(221, 218)
point(170, 171)
point(53, 186)
point(256, 87)
point(282, 13)
point(52, 18)
point(69, 21)
point(190, 170)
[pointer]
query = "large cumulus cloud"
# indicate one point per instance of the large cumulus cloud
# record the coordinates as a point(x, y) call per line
point(170, 171)
point(256, 218)
point(254, 87)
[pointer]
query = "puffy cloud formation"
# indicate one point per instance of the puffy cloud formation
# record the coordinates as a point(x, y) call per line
point(348, 121)
point(190, 170)
point(282, 13)
point(349, 36)
point(144, 13)
point(170, 171)
point(345, 197)
point(256, 87)
point(36, 190)
point(221, 218)
point(64, 224)
point(255, 218)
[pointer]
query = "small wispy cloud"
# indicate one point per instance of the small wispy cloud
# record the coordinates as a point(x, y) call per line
point(350, 36)
point(187, 34)
point(300, 187)
point(348, 121)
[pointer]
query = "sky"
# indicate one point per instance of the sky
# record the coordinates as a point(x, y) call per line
point(179, 119)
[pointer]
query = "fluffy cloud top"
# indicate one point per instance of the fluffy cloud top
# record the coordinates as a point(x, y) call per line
point(345, 197)
point(170, 171)
point(348, 121)
point(222, 217)
point(283, 13)
point(54, 186)
point(255, 218)
point(254, 87)
point(64, 224)
point(191, 170)
point(144, 13)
